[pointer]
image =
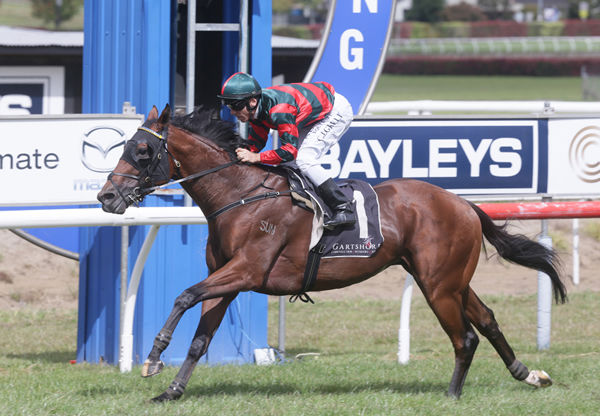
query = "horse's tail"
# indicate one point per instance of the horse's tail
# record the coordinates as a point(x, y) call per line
point(519, 249)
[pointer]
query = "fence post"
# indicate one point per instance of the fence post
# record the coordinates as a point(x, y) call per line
point(544, 297)
point(404, 330)
point(575, 251)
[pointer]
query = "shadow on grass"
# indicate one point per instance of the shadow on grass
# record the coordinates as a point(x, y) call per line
point(46, 357)
point(220, 389)
point(236, 389)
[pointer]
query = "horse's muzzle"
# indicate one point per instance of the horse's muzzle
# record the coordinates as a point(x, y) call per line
point(111, 201)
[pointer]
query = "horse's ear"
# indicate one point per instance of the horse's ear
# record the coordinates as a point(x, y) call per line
point(153, 114)
point(165, 116)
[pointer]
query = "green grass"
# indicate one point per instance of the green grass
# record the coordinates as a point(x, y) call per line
point(18, 13)
point(356, 372)
point(592, 229)
point(448, 87)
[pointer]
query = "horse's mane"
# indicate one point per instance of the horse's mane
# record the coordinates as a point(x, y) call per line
point(205, 122)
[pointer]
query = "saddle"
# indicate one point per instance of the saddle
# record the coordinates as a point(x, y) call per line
point(361, 240)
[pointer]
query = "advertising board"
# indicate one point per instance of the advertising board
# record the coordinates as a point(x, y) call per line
point(467, 157)
point(32, 90)
point(47, 160)
point(574, 156)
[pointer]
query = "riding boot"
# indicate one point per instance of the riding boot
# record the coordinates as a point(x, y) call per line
point(342, 208)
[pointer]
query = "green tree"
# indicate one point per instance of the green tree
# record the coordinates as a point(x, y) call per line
point(496, 9)
point(425, 11)
point(282, 6)
point(462, 12)
point(56, 11)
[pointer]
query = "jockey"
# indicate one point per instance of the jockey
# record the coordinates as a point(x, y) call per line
point(309, 117)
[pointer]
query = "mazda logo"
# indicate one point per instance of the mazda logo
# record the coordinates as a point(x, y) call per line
point(101, 148)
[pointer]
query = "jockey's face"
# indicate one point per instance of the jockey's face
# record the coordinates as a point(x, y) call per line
point(244, 115)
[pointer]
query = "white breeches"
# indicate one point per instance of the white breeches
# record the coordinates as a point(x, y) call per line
point(318, 139)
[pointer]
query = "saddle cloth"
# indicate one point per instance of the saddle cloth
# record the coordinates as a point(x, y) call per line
point(361, 240)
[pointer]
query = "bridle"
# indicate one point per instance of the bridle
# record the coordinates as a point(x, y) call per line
point(157, 169)
point(147, 177)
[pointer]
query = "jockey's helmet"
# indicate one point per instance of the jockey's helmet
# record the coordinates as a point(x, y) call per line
point(239, 88)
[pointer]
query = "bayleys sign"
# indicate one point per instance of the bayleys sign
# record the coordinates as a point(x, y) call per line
point(466, 156)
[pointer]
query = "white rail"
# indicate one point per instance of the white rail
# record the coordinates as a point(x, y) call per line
point(82, 217)
point(85, 217)
point(535, 107)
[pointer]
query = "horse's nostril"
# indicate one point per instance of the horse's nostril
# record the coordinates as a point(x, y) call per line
point(105, 196)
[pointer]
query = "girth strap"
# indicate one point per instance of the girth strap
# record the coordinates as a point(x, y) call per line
point(310, 273)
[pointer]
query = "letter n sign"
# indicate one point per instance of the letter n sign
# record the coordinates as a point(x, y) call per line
point(352, 51)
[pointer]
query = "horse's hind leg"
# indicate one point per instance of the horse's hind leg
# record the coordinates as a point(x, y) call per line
point(483, 318)
point(448, 308)
point(213, 311)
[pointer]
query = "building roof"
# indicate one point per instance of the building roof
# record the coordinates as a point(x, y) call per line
point(25, 37)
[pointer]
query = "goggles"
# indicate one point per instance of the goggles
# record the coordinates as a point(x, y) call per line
point(236, 105)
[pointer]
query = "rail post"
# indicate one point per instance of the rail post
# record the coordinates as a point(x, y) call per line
point(404, 330)
point(544, 297)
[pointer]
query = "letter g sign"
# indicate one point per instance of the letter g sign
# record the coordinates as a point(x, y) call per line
point(351, 58)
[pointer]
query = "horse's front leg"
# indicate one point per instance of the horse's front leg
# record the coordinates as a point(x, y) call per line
point(231, 279)
point(213, 311)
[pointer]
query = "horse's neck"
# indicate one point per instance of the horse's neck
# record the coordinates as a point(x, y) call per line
point(217, 189)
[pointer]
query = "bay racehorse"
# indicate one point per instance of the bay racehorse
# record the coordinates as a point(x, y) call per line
point(435, 235)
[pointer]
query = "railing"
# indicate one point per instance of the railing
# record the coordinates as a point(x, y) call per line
point(426, 107)
point(85, 217)
point(547, 45)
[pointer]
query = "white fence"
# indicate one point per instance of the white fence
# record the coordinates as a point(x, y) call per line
point(82, 217)
point(427, 107)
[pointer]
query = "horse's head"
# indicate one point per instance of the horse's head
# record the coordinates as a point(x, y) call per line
point(144, 164)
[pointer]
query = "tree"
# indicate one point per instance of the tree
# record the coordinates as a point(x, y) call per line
point(56, 11)
point(497, 9)
point(463, 12)
point(425, 11)
point(282, 6)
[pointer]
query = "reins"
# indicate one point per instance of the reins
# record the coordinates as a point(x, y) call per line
point(138, 192)
point(193, 176)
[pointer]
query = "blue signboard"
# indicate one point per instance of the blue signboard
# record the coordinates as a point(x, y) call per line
point(352, 52)
point(466, 157)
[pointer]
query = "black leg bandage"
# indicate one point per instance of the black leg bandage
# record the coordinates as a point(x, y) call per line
point(518, 370)
point(162, 341)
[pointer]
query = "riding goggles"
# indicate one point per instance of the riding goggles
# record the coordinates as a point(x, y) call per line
point(235, 105)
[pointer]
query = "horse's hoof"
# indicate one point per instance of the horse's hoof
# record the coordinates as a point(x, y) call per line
point(167, 396)
point(453, 396)
point(538, 378)
point(152, 368)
